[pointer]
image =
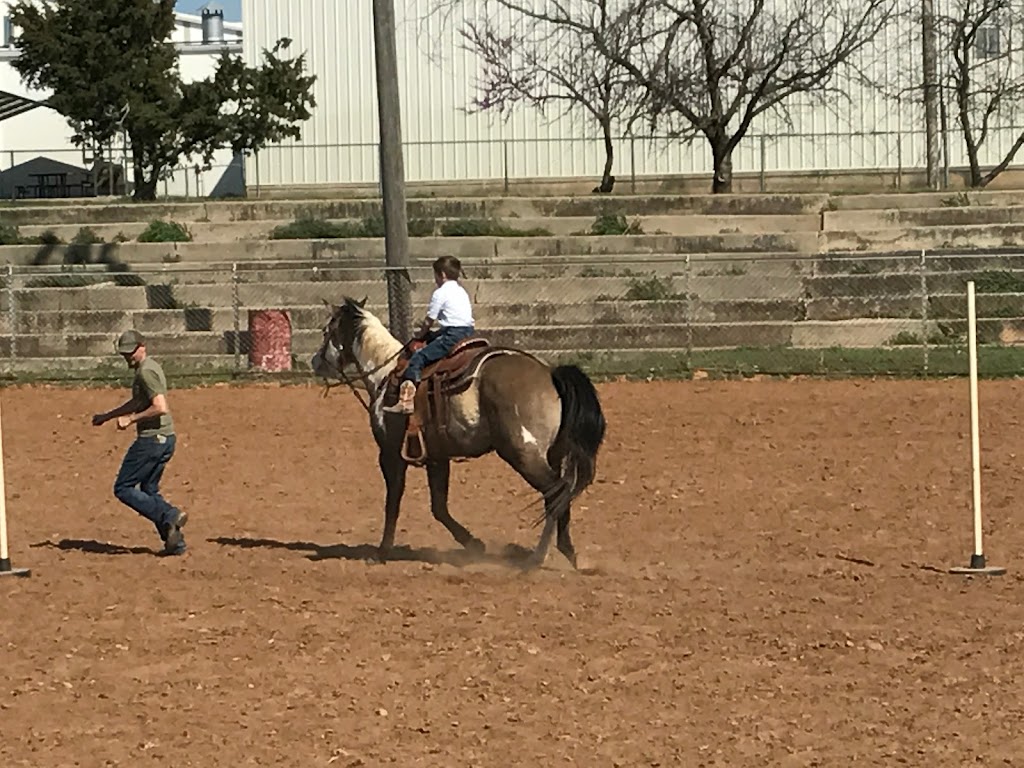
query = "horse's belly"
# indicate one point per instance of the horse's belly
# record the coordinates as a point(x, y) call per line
point(466, 432)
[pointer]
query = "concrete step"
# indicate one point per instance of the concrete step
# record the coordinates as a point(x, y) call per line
point(928, 238)
point(584, 267)
point(868, 220)
point(305, 342)
point(106, 368)
point(543, 339)
point(909, 200)
point(421, 208)
point(499, 291)
point(890, 286)
point(515, 315)
point(98, 297)
point(467, 249)
point(561, 290)
point(235, 231)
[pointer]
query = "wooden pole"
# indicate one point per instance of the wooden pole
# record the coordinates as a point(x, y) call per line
point(392, 170)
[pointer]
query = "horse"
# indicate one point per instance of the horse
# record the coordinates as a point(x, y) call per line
point(546, 423)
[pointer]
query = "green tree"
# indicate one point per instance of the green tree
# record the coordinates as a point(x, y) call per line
point(110, 66)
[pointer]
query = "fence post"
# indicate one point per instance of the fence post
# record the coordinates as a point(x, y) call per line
point(504, 163)
point(12, 317)
point(687, 290)
point(235, 308)
point(764, 162)
point(632, 163)
point(924, 308)
point(899, 161)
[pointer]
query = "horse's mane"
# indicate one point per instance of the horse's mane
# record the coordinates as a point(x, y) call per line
point(371, 334)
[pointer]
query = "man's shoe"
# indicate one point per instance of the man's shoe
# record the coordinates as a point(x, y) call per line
point(174, 540)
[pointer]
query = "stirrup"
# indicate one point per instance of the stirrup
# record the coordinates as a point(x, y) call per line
point(414, 449)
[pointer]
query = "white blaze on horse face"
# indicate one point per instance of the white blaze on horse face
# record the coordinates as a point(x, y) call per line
point(331, 356)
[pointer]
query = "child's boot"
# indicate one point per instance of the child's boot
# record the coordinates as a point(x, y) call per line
point(406, 396)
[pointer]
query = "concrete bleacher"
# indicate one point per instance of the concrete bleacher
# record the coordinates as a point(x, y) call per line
point(706, 272)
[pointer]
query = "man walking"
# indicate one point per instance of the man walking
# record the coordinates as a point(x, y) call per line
point(138, 481)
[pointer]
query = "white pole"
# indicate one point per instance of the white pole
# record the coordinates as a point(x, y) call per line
point(977, 564)
point(5, 560)
point(972, 350)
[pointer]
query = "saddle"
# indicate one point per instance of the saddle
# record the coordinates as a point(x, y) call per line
point(451, 375)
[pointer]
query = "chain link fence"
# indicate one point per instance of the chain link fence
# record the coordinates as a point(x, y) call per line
point(851, 314)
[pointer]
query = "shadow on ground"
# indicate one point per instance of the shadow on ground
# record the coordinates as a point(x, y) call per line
point(512, 555)
point(94, 547)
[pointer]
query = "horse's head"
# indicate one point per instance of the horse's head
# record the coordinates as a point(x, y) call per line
point(341, 334)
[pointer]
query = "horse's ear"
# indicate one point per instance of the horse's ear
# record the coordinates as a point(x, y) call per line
point(363, 302)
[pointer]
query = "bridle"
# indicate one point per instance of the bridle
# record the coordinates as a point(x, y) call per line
point(363, 376)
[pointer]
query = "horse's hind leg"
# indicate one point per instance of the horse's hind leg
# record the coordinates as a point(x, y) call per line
point(565, 540)
point(438, 474)
point(540, 552)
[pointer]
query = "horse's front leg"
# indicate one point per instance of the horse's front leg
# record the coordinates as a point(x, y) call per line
point(438, 473)
point(393, 467)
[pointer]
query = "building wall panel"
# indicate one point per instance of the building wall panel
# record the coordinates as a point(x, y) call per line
point(861, 127)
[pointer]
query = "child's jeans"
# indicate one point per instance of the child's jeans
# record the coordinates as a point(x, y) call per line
point(439, 344)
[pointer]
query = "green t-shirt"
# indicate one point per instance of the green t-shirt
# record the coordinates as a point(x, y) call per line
point(149, 382)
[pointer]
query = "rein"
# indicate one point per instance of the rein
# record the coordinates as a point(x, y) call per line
point(363, 376)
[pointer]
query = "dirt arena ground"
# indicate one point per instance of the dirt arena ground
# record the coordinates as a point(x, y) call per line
point(763, 590)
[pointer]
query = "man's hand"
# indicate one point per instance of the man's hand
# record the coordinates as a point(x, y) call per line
point(123, 422)
point(99, 419)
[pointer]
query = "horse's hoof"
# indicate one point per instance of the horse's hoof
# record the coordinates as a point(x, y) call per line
point(475, 547)
point(533, 562)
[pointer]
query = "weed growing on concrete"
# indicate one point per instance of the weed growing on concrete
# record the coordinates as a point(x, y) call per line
point(160, 231)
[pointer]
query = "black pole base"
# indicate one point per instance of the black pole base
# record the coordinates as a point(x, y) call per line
point(7, 570)
point(979, 567)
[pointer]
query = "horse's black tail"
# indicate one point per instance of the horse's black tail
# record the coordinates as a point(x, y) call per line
point(574, 452)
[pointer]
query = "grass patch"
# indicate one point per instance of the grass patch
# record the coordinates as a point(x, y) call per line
point(86, 236)
point(652, 289)
point(999, 281)
point(311, 228)
point(611, 224)
point(160, 231)
point(11, 235)
point(488, 228)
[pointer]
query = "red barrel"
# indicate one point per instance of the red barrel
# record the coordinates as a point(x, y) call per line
point(270, 333)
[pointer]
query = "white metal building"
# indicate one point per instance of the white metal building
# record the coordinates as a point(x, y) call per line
point(442, 142)
point(29, 130)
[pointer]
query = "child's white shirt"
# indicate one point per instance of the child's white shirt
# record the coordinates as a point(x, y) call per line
point(450, 306)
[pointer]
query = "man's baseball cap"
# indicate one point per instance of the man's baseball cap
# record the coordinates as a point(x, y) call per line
point(128, 341)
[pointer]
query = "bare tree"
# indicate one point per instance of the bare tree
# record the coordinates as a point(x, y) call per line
point(986, 78)
point(711, 67)
point(542, 64)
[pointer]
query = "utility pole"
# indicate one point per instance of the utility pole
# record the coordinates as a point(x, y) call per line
point(931, 88)
point(392, 171)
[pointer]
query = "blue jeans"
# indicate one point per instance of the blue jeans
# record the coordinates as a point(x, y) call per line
point(439, 344)
point(138, 481)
